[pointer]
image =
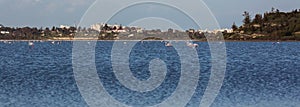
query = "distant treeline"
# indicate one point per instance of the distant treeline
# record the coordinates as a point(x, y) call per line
point(273, 25)
point(28, 33)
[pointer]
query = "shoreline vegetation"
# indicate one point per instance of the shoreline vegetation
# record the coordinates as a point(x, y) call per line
point(270, 26)
point(273, 25)
point(95, 40)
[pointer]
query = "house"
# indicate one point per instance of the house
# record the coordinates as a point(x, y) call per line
point(297, 33)
point(4, 32)
point(256, 25)
point(108, 28)
point(64, 26)
point(97, 27)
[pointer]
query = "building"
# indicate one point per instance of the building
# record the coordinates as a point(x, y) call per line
point(96, 27)
point(4, 32)
point(108, 28)
point(64, 26)
point(224, 30)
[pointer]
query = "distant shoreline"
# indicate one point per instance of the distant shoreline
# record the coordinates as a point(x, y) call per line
point(49, 40)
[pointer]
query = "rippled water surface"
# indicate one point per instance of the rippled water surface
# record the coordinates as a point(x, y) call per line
point(258, 74)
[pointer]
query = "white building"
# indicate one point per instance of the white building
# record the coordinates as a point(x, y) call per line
point(4, 32)
point(226, 29)
point(216, 31)
point(99, 26)
point(96, 27)
point(64, 26)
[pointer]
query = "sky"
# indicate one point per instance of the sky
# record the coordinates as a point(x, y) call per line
point(48, 13)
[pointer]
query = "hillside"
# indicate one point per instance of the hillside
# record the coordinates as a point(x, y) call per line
point(274, 25)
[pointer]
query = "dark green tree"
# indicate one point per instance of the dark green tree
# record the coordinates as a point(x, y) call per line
point(258, 19)
point(247, 18)
point(272, 9)
point(53, 28)
point(277, 11)
point(234, 27)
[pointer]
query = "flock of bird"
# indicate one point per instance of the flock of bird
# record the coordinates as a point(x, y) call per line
point(189, 44)
point(167, 44)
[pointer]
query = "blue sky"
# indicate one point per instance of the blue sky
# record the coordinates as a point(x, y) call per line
point(46, 13)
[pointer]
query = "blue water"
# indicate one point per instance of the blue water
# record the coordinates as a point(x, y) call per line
point(258, 74)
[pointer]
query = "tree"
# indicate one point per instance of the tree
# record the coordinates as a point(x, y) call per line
point(114, 28)
point(234, 27)
point(105, 27)
point(272, 10)
point(297, 28)
point(295, 11)
point(277, 11)
point(265, 18)
point(53, 28)
point(247, 18)
point(258, 19)
point(121, 27)
point(41, 29)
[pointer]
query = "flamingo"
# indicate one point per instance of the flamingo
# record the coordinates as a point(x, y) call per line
point(168, 44)
point(30, 43)
point(192, 45)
